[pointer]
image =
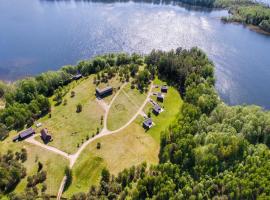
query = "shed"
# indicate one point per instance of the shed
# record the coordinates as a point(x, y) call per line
point(77, 77)
point(24, 134)
point(164, 88)
point(104, 92)
point(148, 123)
point(46, 137)
point(160, 97)
point(157, 109)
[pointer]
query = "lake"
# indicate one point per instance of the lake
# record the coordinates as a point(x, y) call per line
point(39, 35)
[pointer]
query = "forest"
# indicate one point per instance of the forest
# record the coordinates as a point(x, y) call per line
point(243, 11)
point(213, 151)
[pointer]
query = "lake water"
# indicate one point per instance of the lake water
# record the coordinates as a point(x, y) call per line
point(36, 36)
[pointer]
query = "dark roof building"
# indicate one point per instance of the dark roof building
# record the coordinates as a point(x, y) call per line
point(77, 77)
point(157, 109)
point(160, 97)
point(148, 123)
point(164, 88)
point(24, 134)
point(104, 92)
point(46, 137)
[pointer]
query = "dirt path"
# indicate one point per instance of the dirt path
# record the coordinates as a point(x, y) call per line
point(73, 157)
point(49, 148)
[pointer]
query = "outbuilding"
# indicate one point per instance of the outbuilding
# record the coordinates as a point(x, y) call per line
point(148, 123)
point(164, 89)
point(24, 134)
point(160, 97)
point(77, 77)
point(45, 136)
point(157, 109)
point(104, 92)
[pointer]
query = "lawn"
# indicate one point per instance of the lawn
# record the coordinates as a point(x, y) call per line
point(172, 105)
point(124, 107)
point(69, 128)
point(53, 164)
point(121, 150)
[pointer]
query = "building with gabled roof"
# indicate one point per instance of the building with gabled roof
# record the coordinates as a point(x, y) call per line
point(164, 89)
point(160, 97)
point(45, 136)
point(147, 123)
point(104, 92)
point(157, 109)
point(77, 76)
point(24, 134)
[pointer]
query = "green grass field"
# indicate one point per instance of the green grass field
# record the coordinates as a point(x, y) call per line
point(129, 147)
point(124, 107)
point(53, 164)
point(69, 128)
point(172, 105)
point(118, 151)
point(115, 83)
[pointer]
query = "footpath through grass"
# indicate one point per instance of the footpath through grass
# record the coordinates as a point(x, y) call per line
point(118, 151)
point(70, 129)
point(124, 107)
point(129, 147)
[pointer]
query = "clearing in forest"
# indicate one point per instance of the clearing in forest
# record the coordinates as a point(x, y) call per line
point(118, 151)
point(124, 107)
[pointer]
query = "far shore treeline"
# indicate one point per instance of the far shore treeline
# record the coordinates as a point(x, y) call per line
point(247, 12)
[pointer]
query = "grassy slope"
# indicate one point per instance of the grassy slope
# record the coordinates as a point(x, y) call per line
point(69, 128)
point(118, 151)
point(52, 163)
point(124, 107)
point(172, 104)
point(129, 147)
point(115, 83)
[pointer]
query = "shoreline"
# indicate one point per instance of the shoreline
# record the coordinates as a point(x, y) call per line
point(251, 27)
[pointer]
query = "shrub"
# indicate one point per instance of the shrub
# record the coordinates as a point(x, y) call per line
point(72, 94)
point(79, 108)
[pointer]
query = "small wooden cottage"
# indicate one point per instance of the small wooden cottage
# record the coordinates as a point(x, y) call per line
point(148, 123)
point(45, 136)
point(157, 109)
point(24, 134)
point(104, 92)
point(164, 89)
point(160, 97)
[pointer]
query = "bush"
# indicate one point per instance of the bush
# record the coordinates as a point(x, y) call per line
point(98, 145)
point(72, 94)
point(79, 108)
